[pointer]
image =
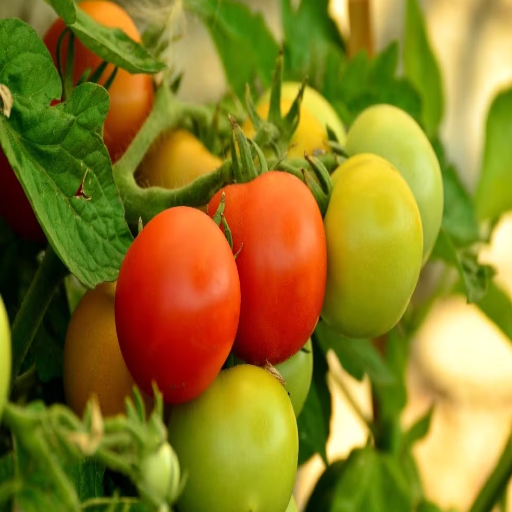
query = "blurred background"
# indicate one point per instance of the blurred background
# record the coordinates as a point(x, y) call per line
point(460, 362)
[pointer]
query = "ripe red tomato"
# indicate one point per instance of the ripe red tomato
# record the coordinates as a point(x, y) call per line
point(282, 265)
point(131, 96)
point(15, 208)
point(177, 304)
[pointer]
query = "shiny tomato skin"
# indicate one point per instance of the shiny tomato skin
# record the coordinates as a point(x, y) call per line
point(15, 207)
point(238, 443)
point(374, 246)
point(391, 133)
point(177, 304)
point(282, 264)
point(131, 96)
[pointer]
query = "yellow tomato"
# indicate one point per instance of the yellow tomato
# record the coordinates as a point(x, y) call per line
point(310, 135)
point(175, 159)
point(316, 104)
point(374, 247)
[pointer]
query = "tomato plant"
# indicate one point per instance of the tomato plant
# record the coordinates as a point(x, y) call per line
point(281, 264)
point(5, 355)
point(131, 95)
point(177, 304)
point(176, 158)
point(394, 135)
point(93, 364)
point(374, 247)
point(297, 372)
point(238, 442)
point(15, 208)
point(287, 274)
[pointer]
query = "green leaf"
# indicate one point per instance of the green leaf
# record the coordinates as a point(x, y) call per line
point(113, 45)
point(362, 82)
point(48, 345)
point(39, 492)
point(60, 159)
point(6, 479)
point(459, 216)
point(494, 189)
point(310, 35)
point(474, 275)
point(419, 429)
point(421, 67)
point(358, 357)
point(314, 420)
point(244, 42)
point(367, 481)
point(411, 473)
point(459, 219)
point(392, 396)
point(87, 477)
point(497, 306)
point(65, 9)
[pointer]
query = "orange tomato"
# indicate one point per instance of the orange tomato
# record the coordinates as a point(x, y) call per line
point(131, 96)
point(93, 363)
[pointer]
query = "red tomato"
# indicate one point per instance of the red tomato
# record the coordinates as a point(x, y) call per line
point(282, 265)
point(131, 96)
point(15, 208)
point(177, 304)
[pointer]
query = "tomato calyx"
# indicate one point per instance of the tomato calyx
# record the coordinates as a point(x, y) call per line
point(220, 220)
point(275, 133)
point(270, 368)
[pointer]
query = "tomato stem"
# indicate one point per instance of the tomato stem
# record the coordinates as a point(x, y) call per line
point(26, 426)
point(49, 275)
point(145, 203)
point(496, 484)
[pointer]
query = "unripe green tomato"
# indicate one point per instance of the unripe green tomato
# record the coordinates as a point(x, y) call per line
point(297, 371)
point(238, 444)
point(374, 247)
point(160, 472)
point(292, 506)
point(5, 355)
point(393, 134)
point(316, 104)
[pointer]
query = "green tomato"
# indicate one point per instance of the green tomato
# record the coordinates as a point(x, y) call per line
point(393, 134)
point(374, 247)
point(160, 473)
point(315, 103)
point(292, 506)
point(237, 443)
point(297, 371)
point(5, 355)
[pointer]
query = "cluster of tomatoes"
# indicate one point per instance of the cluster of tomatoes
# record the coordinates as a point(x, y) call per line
point(210, 323)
